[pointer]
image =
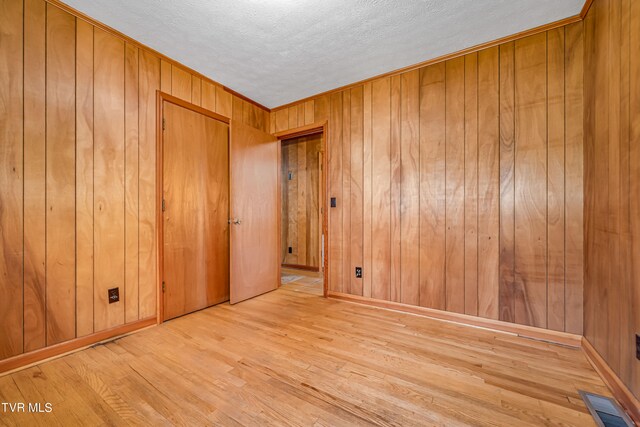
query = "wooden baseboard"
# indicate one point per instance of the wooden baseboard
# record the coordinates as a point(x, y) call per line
point(301, 267)
point(22, 361)
point(619, 390)
point(555, 337)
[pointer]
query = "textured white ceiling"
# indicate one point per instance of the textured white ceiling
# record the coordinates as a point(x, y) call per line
point(279, 51)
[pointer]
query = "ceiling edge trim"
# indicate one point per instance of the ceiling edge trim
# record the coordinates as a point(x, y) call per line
point(140, 45)
point(442, 58)
point(585, 8)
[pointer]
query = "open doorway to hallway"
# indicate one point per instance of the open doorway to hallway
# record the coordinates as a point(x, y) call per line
point(302, 194)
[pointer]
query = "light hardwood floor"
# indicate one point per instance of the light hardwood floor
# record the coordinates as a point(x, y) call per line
point(291, 357)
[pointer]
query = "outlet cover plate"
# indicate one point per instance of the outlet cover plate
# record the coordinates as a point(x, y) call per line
point(114, 295)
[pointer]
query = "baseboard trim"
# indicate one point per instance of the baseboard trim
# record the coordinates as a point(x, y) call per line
point(554, 337)
point(301, 267)
point(25, 360)
point(619, 390)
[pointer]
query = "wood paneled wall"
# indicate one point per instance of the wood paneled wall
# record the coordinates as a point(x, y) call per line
point(300, 201)
point(612, 184)
point(77, 173)
point(459, 185)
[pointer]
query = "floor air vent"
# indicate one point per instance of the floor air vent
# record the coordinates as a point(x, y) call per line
point(605, 411)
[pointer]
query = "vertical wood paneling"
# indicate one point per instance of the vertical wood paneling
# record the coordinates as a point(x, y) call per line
point(149, 83)
point(250, 115)
point(282, 120)
point(627, 335)
point(432, 187)
point(84, 178)
point(109, 177)
point(53, 213)
point(34, 173)
point(224, 102)
point(301, 245)
point(60, 188)
point(410, 188)
point(11, 177)
point(611, 165)
point(555, 179)
point(256, 117)
point(290, 201)
point(507, 183)
point(574, 170)
point(471, 184)
point(396, 121)
point(367, 160)
point(237, 109)
point(346, 190)
point(356, 190)
point(208, 96)
point(488, 183)
point(131, 187)
point(180, 83)
point(292, 117)
point(468, 169)
point(589, 172)
point(531, 180)
point(633, 380)
point(196, 90)
point(381, 188)
point(308, 112)
point(614, 312)
point(336, 279)
point(454, 186)
point(165, 76)
point(300, 114)
point(320, 109)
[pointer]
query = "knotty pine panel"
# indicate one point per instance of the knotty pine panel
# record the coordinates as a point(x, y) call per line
point(472, 162)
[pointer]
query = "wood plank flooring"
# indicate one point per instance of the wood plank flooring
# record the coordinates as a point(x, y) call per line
point(291, 357)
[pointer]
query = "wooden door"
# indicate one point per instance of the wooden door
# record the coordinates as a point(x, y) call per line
point(196, 210)
point(255, 260)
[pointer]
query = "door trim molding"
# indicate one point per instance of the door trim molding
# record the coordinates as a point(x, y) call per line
point(322, 128)
point(161, 97)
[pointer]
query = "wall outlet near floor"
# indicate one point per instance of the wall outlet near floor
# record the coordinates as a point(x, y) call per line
point(114, 295)
point(290, 250)
point(359, 272)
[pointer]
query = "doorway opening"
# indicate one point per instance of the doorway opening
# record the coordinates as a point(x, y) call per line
point(303, 208)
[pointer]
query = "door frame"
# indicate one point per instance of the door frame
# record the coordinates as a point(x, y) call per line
point(312, 129)
point(161, 97)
